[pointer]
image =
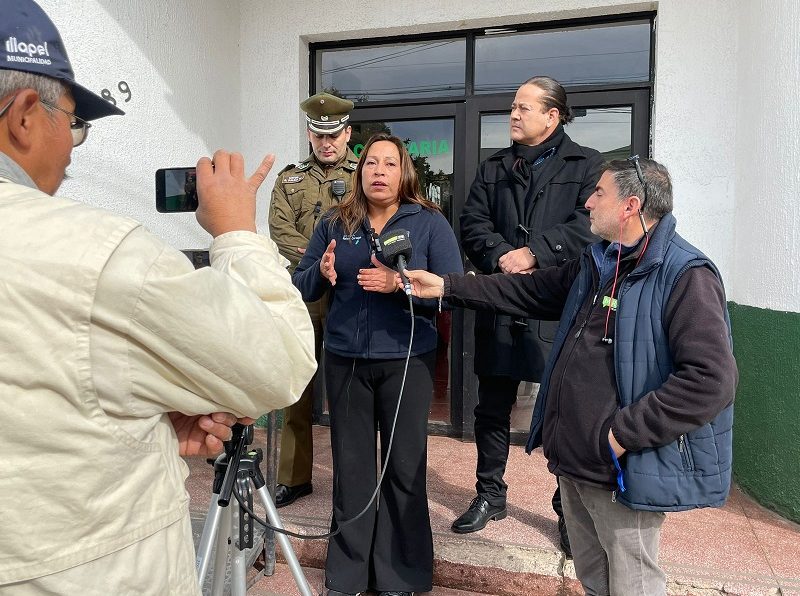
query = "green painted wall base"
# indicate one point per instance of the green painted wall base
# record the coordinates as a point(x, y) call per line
point(766, 437)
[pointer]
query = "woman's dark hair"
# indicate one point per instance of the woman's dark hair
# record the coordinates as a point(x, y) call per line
point(554, 97)
point(352, 210)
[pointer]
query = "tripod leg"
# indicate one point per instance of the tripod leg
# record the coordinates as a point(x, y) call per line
point(207, 539)
point(238, 563)
point(224, 539)
point(286, 546)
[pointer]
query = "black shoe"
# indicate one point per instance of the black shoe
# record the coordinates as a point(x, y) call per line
point(563, 538)
point(394, 593)
point(477, 516)
point(286, 495)
point(334, 592)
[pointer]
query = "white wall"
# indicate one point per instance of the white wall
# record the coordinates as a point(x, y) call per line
point(767, 254)
point(180, 60)
point(695, 124)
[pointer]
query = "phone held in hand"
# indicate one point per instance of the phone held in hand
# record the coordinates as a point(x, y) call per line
point(176, 190)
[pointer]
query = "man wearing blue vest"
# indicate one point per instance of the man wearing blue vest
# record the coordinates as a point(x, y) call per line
point(636, 403)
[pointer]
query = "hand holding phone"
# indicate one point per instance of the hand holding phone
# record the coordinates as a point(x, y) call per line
point(227, 200)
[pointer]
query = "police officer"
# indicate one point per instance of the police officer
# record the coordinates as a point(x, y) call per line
point(302, 194)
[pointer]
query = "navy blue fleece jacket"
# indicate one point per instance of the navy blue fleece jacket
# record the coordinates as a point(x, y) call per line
point(363, 324)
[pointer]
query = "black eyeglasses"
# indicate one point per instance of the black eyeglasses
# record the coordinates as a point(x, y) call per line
point(634, 159)
point(4, 109)
point(78, 127)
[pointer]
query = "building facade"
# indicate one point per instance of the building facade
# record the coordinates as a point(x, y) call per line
point(715, 103)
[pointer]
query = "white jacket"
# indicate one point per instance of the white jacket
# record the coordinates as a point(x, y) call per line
point(104, 329)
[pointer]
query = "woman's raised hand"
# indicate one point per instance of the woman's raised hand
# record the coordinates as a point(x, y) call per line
point(326, 264)
point(379, 278)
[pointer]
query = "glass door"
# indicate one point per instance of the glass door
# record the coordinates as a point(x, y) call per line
point(614, 123)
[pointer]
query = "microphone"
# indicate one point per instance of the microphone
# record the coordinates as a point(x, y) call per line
point(397, 253)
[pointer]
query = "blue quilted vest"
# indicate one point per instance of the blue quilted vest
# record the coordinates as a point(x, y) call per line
point(694, 470)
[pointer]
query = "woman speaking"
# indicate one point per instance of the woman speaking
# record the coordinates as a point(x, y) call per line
point(390, 548)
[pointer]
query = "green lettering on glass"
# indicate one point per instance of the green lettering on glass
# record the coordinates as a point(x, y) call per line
point(417, 148)
point(426, 148)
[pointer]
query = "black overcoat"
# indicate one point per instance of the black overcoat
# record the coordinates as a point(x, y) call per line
point(556, 228)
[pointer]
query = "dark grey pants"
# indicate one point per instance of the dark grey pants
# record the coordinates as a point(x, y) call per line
point(615, 548)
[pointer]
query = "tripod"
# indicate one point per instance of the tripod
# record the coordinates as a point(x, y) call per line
point(232, 527)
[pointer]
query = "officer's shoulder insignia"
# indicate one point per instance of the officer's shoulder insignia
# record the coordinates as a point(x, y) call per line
point(304, 166)
point(293, 179)
point(286, 169)
point(351, 165)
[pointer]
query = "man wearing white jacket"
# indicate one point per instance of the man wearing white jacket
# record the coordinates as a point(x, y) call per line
point(114, 350)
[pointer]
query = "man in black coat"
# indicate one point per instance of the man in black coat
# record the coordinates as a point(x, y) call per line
point(525, 211)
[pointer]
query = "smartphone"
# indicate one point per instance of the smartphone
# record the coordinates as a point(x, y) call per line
point(176, 190)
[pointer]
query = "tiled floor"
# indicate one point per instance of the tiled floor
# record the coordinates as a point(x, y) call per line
point(741, 549)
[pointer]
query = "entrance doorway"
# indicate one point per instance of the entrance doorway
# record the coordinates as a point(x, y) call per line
point(448, 97)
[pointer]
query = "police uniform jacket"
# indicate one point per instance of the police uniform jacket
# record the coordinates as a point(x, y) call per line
point(301, 196)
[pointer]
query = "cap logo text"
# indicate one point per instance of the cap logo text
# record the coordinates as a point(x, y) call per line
point(33, 51)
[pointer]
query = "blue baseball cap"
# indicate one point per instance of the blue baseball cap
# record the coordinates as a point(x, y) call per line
point(30, 42)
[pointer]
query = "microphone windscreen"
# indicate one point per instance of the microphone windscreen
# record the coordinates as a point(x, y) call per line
point(395, 243)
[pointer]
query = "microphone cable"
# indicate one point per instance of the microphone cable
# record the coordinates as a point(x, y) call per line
point(345, 523)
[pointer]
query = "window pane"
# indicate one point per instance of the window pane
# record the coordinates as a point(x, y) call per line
point(614, 53)
point(607, 129)
point(399, 71)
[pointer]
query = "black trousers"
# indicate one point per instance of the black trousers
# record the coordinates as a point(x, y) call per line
point(391, 547)
point(496, 397)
